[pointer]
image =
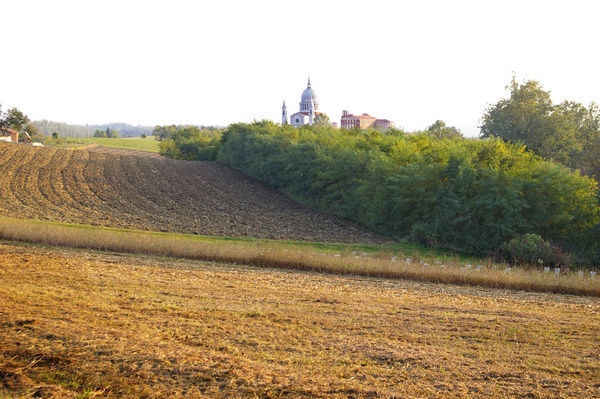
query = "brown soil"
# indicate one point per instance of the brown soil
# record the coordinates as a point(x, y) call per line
point(141, 190)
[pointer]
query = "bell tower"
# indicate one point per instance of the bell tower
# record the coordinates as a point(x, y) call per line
point(284, 118)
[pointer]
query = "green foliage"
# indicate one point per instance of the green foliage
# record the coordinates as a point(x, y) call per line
point(434, 188)
point(166, 132)
point(441, 131)
point(33, 130)
point(460, 194)
point(533, 250)
point(163, 132)
point(55, 136)
point(322, 119)
point(13, 119)
point(568, 133)
point(108, 133)
point(189, 143)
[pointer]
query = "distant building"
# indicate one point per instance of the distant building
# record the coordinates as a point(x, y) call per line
point(308, 109)
point(364, 121)
point(9, 135)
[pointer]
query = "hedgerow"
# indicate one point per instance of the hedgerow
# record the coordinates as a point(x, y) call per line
point(466, 195)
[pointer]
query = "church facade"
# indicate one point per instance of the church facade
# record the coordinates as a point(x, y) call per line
point(309, 106)
point(309, 109)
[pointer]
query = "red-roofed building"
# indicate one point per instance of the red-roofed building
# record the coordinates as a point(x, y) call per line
point(9, 135)
point(364, 121)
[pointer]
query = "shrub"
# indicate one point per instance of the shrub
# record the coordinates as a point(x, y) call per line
point(532, 249)
point(469, 196)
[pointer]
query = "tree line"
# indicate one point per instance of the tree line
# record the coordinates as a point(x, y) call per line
point(47, 128)
point(484, 197)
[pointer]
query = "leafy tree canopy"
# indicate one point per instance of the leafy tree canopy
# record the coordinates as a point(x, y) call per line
point(567, 133)
point(322, 119)
point(439, 130)
point(190, 143)
point(14, 119)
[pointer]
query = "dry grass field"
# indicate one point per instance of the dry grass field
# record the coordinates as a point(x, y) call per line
point(76, 324)
point(143, 322)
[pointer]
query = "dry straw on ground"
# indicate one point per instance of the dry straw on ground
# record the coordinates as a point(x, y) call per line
point(384, 263)
point(79, 324)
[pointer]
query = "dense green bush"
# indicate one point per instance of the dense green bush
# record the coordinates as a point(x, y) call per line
point(191, 143)
point(455, 193)
point(531, 249)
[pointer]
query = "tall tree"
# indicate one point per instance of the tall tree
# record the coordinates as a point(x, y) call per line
point(439, 130)
point(521, 118)
point(14, 119)
point(322, 119)
point(33, 130)
point(164, 132)
point(563, 133)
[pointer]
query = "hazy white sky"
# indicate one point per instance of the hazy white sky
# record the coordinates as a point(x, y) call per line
point(219, 62)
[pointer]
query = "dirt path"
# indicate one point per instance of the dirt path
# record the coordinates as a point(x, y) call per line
point(141, 190)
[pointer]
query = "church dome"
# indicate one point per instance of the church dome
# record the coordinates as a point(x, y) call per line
point(308, 95)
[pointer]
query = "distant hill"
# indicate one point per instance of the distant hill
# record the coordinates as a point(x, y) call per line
point(68, 130)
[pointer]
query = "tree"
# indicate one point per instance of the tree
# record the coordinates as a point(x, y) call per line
point(55, 136)
point(564, 133)
point(192, 143)
point(100, 134)
point(591, 157)
point(164, 132)
point(33, 130)
point(112, 133)
point(584, 125)
point(3, 122)
point(322, 119)
point(439, 130)
point(14, 119)
point(520, 118)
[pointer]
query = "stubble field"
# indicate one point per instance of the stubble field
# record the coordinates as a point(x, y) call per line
point(77, 324)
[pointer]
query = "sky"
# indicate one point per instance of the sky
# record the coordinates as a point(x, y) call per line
point(220, 62)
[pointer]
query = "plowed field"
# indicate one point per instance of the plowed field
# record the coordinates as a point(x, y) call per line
point(141, 190)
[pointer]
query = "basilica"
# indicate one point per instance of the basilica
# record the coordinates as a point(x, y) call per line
point(308, 109)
